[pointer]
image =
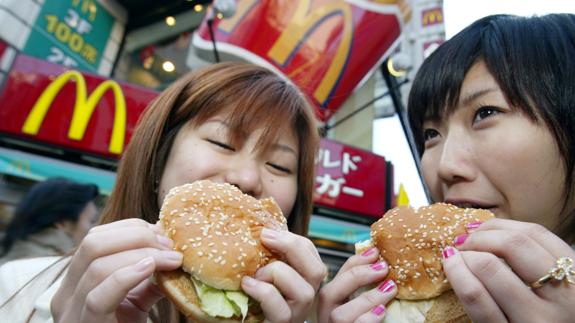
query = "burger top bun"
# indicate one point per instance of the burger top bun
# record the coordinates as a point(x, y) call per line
point(217, 228)
point(411, 241)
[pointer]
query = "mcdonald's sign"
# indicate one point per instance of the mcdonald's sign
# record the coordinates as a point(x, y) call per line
point(71, 110)
point(326, 47)
point(431, 17)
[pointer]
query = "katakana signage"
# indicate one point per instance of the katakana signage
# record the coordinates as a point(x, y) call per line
point(350, 179)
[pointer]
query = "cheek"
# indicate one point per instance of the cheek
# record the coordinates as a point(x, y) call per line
point(529, 172)
point(429, 170)
point(285, 193)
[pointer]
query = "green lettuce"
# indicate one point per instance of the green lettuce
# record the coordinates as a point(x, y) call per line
point(222, 303)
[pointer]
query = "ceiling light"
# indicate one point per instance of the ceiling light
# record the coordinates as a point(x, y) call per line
point(198, 8)
point(168, 66)
point(170, 21)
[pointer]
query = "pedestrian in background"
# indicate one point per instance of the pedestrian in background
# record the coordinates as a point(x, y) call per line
point(50, 220)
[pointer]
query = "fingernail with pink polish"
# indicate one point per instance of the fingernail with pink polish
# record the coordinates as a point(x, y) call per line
point(473, 225)
point(368, 252)
point(378, 310)
point(387, 286)
point(378, 266)
point(448, 252)
point(460, 239)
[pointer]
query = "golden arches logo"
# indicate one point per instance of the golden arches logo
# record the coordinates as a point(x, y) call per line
point(298, 30)
point(431, 17)
point(83, 109)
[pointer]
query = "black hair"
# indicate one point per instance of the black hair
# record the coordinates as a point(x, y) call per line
point(44, 205)
point(532, 60)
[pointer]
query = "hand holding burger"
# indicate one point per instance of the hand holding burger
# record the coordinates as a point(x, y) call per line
point(217, 228)
point(411, 242)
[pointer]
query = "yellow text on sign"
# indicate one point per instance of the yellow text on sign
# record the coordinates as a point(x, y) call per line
point(83, 109)
point(75, 41)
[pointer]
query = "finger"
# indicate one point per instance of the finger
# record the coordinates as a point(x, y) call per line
point(273, 305)
point(366, 302)
point(367, 257)
point(131, 222)
point(479, 305)
point(102, 268)
point(344, 285)
point(518, 249)
point(375, 315)
point(298, 292)
point(506, 289)
point(552, 243)
point(145, 295)
point(103, 243)
point(106, 297)
point(299, 252)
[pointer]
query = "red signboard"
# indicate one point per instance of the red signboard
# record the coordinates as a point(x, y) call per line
point(326, 47)
point(75, 111)
point(350, 179)
point(44, 102)
point(3, 47)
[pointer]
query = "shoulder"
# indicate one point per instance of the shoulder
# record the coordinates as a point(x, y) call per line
point(15, 274)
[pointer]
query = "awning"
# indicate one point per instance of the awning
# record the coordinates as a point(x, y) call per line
point(21, 164)
point(336, 230)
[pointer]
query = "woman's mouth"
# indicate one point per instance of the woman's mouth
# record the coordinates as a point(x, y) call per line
point(472, 204)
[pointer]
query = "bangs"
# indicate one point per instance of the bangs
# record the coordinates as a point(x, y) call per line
point(273, 107)
point(436, 88)
point(252, 101)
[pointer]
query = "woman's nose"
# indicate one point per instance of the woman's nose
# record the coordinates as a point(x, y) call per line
point(245, 174)
point(456, 161)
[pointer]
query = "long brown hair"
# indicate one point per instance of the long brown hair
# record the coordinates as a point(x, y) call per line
point(255, 98)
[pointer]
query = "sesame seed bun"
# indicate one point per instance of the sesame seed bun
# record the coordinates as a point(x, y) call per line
point(411, 241)
point(217, 229)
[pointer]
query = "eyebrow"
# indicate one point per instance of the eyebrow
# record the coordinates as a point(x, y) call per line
point(284, 148)
point(474, 95)
point(281, 147)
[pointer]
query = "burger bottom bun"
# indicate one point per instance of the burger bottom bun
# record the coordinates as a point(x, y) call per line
point(443, 308)
point(179, 288)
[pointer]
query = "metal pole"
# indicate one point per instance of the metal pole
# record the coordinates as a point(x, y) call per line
point(401, 111)
point(211, 30)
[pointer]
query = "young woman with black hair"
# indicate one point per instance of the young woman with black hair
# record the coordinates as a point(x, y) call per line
point(493, 114)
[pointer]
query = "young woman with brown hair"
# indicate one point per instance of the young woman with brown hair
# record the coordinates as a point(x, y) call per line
point(230, 122)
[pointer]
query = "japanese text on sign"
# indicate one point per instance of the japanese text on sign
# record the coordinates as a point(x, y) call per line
point(334, 186)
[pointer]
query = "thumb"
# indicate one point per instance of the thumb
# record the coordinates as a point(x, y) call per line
point(145, 295)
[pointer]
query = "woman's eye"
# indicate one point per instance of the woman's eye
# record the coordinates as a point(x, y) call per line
point(429, 134)
point(221, 144)
point(280, 168)
point(484, 112)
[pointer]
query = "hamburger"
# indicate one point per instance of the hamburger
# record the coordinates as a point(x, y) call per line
point(411, 242)
point(217, 229)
